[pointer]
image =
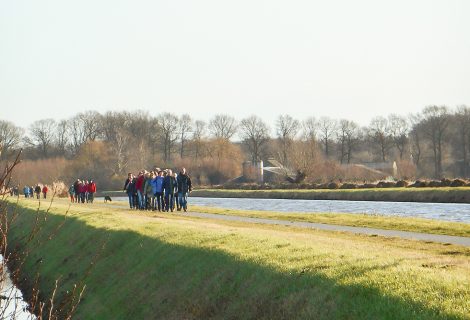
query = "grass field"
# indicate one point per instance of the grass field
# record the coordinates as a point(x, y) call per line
point(444, 194)
point(173, 267)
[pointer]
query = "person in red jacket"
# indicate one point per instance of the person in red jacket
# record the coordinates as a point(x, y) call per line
point(82, 189)
point(139, 185)
point(91, 191)
point(44, 191)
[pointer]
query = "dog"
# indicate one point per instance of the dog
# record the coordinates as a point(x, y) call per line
point(107, 198)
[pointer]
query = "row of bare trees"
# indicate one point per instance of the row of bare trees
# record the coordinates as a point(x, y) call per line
point(435, 140)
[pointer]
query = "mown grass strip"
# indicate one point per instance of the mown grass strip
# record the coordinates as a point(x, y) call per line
point(353, 219)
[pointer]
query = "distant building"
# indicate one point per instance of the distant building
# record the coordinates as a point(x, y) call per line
point(385, 169)
point(259, 173)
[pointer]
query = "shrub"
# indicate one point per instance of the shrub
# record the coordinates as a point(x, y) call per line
point(458, 183)
point(367, 186)
point(434, 184)
point(385, 184)
point(401, 184)
point(419, 184)
point(60, 189)
point(349, 186)
point(333, 185)
point(446, 182)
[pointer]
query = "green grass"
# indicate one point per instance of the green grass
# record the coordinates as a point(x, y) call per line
point(355, 220)
point(444, 194)
point(174, 267)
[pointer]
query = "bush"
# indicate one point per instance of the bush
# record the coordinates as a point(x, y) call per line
point(419, 184)
point(60, 189)
point(434, 184)
point(446, 182)
point(333, 185)
point(349, 186)
point(458, 183)
point(385, 184)
point(367, 186)
point(401, 184)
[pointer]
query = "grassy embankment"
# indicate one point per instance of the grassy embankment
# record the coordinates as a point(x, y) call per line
point(169, 266)
point(443, 194)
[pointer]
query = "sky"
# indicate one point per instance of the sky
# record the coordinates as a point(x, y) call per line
point(342, 59)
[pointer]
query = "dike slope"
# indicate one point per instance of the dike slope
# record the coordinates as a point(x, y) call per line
point(141, 266)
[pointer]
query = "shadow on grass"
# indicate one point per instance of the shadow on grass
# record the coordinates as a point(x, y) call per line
point(139, 277)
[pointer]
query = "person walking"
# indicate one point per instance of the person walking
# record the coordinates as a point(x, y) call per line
point(44, 191)
point(72, 193)
point(91, 191)
point(82, 190)
point(129, 187)
point(37, 191)
point(139, 186)
point(148, 195)
point(76, 187)
point(26, 191)
point(183, 182)
point(169, 188)
point(157, 189)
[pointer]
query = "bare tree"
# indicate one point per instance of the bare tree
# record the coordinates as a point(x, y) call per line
point(347, 138)
point(168, 128)
point(309, 132)
point(352, 137)
point(378, 132)
point(42, 133)
point(416, 144)
point(462, 132)
point(223, 126)
point(399, 129)
point(286, 129)
point(199, 133)
point(85, 126)
point(10, 136)
point(62, 138)
point(435, 122)
point(184, 127)
point(255, 134)
point(327, 128)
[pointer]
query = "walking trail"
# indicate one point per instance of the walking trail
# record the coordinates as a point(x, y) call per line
point(462, 241)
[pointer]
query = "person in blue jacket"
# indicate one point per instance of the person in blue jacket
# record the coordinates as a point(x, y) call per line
point(157, 189)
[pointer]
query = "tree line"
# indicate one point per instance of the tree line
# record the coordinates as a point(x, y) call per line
point(433, 143)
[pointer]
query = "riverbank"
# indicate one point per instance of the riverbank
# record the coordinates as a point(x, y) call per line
point(170, 266)
point(443, 194)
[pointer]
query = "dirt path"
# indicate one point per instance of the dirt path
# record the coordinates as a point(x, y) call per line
point(462, 241)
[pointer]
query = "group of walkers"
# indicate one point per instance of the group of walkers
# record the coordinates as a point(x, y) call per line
point(82, 191)
point(30, 191)
point(158, 190)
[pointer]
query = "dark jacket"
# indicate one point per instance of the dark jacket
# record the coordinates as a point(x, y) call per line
point(129, 186)
point(184, 183)
point(169, 185)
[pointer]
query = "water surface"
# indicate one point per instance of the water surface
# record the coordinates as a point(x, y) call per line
point(457, 212)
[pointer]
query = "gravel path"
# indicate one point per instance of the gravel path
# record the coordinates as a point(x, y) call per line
point(462, 241)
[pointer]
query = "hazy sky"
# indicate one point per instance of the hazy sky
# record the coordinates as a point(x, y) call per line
point(343, 59)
